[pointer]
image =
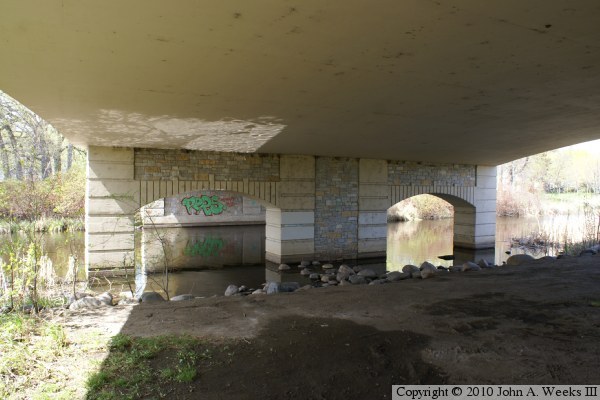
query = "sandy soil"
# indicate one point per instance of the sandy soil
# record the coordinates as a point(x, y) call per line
point(532, 324)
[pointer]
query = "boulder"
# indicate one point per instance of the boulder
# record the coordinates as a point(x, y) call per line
point(519, 259)
point(281, 287)
point(106, 298)
point(455, 268)
point(395, 276)
point(77, 296)
point(357, 279)
point(428, 270)
point(546, 259)
point(258, 291)
point(272, 288)
point(325, 278)
point(416, 275)
point(483, 263)
point(356, 268)
point(148, 297)
point(283, 267)
point(327, 266)
point(231, 290)
point(346, 269)
point(305, 263)
point(86, 302)
point(305, 272)
point(426, 265)
point(367, 273)
point(588, 252)
point(183, 297)
point(344, 273)
point(314, 276)
point(128, 301)
point(410, 268)
point(289, 286)
point(345, 283)
point(377, 282)
point(470, 266)
point(315, 263)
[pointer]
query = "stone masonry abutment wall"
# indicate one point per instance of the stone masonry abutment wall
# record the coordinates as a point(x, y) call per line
point(317, 207)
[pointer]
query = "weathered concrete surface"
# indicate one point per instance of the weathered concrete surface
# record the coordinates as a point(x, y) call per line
point(475, 82)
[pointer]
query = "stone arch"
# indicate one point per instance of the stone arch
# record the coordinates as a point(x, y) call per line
point(464, 212)
point(262, 192)
point(171, 235)
point(151, 190)
point(205, 207)
point(461, 195)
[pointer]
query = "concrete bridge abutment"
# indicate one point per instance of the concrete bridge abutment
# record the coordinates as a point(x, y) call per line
point(316, 207)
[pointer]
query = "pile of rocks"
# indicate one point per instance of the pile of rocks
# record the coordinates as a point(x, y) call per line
point(346, 275)
point(90, 301)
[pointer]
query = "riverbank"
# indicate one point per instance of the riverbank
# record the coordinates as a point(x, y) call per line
point(50, 225)
point(527, 324)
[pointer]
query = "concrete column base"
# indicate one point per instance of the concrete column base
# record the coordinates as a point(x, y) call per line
point(112, 197)
point(475, 227)
point(373, 202)
point(290, 236)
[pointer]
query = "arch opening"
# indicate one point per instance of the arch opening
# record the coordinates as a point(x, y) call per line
point(202, 230)
point(426, 226)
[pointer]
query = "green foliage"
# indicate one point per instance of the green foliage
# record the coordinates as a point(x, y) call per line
point(423, 206)
point(28, 346)
point(59, 196)
point(130, 371)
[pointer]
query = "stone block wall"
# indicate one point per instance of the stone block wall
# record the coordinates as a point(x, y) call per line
point(184, 165)
point(429, 174)
point(317, 207)
point(336, 208)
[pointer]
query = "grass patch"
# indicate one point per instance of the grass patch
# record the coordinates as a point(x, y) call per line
point(147, 367)
point(29, 348)
point(38, 360)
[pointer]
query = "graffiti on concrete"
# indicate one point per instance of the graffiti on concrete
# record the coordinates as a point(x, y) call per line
point(209, 205)
point(206, 248)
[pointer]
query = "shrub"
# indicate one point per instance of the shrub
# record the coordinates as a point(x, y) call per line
point(424, 206)
point(61, 195)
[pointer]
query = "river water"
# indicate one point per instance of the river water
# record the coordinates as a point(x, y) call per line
point(207, 259)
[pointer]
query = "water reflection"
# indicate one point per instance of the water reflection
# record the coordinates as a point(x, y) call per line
point(204, 260)
point(202, 247)
point(57, 246)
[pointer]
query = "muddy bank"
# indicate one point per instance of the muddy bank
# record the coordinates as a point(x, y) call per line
point(529, 324)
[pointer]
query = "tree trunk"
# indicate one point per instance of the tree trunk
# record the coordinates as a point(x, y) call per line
point(57, 162)
point(69, 156)
point(16, 153)
point(44, 156)
point(4, 157)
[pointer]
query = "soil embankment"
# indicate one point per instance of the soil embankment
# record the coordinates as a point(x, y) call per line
point(531, 324)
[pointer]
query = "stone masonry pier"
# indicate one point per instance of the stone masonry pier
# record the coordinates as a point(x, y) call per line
point(317, 207)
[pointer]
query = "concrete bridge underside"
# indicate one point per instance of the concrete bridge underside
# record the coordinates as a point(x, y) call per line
point(317, 207)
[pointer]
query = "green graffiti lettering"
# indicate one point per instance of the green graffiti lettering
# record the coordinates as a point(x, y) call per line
point(206, 248)
point(208, 205)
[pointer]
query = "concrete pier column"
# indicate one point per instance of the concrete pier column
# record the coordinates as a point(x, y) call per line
point(112, 197)
point(373, 202)
point(290, 227)
point(475, 226)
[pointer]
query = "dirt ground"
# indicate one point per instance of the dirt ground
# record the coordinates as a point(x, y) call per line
point(532, 324)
